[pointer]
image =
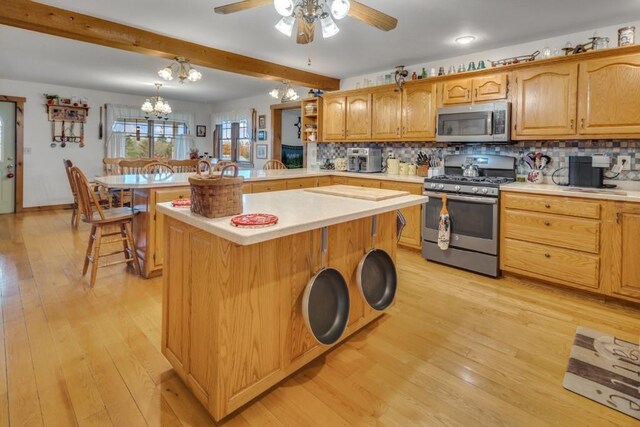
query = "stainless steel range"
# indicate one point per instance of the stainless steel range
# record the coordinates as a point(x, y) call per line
point(472, 184)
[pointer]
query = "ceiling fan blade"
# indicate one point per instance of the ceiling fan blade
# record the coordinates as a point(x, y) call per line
point(305, 31)
point(371, 16)
point(240, 6)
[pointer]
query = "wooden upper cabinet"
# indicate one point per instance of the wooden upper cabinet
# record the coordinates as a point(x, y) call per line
point(386, 109)
point(419, 110)
point(358, 117)
point(334, 115)
point(456, 92)
point(609, 96)
point(490, 88)
point(546, 104)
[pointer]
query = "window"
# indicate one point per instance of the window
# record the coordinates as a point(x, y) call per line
point(149, 138)
point(233, 141)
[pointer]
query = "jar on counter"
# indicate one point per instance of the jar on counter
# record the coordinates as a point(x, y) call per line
point(626, 36)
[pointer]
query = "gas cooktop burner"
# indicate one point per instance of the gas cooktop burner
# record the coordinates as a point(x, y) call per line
point(495, 180)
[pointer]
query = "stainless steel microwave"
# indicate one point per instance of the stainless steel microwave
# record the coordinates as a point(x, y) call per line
point(487, 122)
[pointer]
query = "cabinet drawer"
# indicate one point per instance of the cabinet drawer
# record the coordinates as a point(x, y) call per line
point(338, 180)
point(247, 188)
point(293, 184)
point(363, 182)
point(555, 230)
point(323, 181)
point(276, 185)
point(542, 262)
point(551, 204)
point(172, 194)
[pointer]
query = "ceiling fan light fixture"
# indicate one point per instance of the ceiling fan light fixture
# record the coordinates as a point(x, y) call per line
point(285, 25)
point(340, 8)
point(284, 7)
point(329, 27)
point(463, 40)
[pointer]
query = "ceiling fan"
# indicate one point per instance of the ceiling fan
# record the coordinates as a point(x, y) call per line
point(306, 13)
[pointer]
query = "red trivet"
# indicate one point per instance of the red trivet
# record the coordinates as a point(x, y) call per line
point(181, 203)
point(256, 220)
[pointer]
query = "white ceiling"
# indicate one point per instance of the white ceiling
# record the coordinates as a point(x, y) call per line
point(426, 29)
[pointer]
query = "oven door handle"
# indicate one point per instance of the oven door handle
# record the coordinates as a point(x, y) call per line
point(472, 199)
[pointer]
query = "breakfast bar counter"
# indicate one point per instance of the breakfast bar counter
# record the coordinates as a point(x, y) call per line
point(233, 321)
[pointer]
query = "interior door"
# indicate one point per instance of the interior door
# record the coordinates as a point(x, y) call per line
point(7, 157)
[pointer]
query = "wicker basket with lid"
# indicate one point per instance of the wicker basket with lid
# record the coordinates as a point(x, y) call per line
point(215, 196)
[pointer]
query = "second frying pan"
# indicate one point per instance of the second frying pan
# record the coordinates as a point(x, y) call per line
point(376, 275)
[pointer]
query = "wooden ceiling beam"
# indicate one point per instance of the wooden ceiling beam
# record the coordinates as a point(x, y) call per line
point(30, 15)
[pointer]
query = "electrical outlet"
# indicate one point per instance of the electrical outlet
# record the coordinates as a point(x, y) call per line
point(627, 162)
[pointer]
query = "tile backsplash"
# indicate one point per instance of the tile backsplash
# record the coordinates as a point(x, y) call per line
point(559, 151)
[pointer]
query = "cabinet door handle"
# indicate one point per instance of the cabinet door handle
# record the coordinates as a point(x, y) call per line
point(398, 131)
point(571, 123)
point(617, 217)
point(476, 95)
point(547, 205)
point(547, 223)
point(582, 123)
point(547, 255)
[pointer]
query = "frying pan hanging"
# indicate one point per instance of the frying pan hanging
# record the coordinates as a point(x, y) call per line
point(377, 276)
point(325, 302)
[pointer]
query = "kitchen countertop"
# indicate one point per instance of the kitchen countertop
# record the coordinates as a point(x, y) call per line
point(311, 211)
point(618, 194)
point(250, 175)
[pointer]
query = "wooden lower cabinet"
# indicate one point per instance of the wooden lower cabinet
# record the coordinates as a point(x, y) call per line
point(625, 251)
point(148, 223)
point(339, 180)
point(264, 186)
point(363, 182)
point(412, 233)
point(323, 181)
point(295, 184)
point(583, 243)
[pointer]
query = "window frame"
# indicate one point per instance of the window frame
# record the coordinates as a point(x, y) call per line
point(236, 138)
point(151, 134)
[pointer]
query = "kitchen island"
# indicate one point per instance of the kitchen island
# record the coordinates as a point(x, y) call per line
point(149, 190)
point(232, 324)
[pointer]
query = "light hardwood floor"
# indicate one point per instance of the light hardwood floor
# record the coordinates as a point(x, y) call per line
point(456, 349)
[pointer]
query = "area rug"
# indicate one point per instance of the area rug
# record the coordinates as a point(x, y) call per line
point(605, 369)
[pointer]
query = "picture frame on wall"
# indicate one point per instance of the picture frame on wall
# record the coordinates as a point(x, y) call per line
point(262, 135)
point(262, 121)
point(262, 151)
point(201, 131)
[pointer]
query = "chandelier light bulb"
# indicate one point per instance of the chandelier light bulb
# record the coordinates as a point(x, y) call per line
point(285, 25)
point(166, 73)
point(147, 107)
point(329, 27)
point(275, 93)
point(194, 75)
point(340, 8)
point(284, 7)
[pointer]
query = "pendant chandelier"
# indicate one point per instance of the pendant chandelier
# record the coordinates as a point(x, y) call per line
point(182, 68)
point(311, 11)
point(285, 93)
point(156, 106)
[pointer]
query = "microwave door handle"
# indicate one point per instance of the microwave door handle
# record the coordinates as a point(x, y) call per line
point(490, 123)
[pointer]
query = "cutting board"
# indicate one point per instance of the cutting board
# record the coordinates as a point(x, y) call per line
point(363, 193)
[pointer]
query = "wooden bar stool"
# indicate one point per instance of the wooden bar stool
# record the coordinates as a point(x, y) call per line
point(102, 225)
point(274, 165)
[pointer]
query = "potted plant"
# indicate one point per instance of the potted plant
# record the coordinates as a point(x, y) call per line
point(51, 99)
point(193, 154)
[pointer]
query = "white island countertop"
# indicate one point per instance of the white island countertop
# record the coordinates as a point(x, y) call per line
point(297, 211)
point(250, 175)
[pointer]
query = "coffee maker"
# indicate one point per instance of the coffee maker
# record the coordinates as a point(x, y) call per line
point(587, 171)
point(367, 160)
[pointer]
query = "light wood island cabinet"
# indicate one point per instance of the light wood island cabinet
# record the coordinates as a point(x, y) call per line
point(412, 233)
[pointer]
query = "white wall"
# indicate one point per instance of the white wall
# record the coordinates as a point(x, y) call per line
point(45, 182)
point(504, 52)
